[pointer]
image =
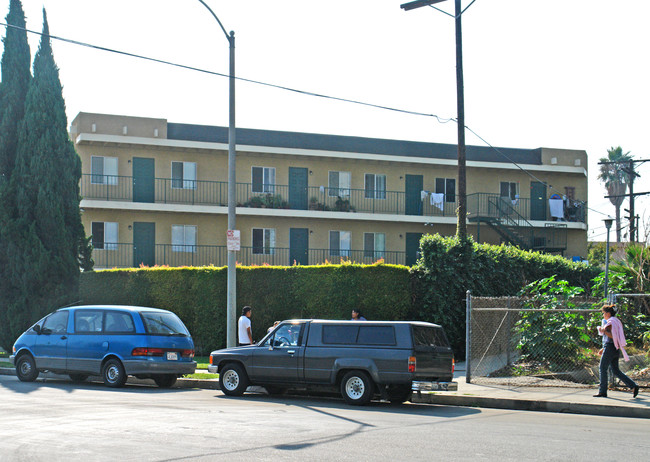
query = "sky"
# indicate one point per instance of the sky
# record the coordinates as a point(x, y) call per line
point(554, 73)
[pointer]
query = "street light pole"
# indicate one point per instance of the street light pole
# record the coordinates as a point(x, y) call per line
point(608, 225)
point(461, 227)
point(231, 302)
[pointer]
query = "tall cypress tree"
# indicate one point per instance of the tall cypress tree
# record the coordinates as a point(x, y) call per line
point(16, 78)
point(45, 244)
point(15, 81)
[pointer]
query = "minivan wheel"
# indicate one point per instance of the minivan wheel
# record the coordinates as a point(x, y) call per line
point(113, 373)
point(26, 368)
point(356, 388)
point(165, 380)
point(233, 380)
point(78, 377)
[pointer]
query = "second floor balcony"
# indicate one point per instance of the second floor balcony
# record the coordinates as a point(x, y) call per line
point(318, 198)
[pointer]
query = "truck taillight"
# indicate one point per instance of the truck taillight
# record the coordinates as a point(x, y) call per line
point(411, 363)
point(453, 365)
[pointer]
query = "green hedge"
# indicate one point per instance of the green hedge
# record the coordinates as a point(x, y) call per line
point(449, 267)
point(433, 290)
point(198, 295)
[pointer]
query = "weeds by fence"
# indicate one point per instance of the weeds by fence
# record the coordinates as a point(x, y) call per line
point(509, 342)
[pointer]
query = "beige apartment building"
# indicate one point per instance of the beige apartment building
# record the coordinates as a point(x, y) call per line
point(155, 193)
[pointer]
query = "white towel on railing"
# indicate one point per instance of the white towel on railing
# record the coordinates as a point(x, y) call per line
point(423, 195)
point(556, 207)
point(322, 189)
point(438, 200)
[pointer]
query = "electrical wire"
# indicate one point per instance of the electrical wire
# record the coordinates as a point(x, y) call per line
point(440, 120)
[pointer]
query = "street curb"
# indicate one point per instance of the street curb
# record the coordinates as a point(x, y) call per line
point(449, 400)
point(532, 405)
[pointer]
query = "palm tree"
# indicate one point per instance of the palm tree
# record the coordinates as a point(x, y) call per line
point(616, 180)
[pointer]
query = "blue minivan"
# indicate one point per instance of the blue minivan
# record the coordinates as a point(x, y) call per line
point(108, 341)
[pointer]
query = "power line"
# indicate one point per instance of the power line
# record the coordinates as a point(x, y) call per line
point(441, 120)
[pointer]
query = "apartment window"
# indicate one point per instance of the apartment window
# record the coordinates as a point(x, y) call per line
point(340, 243)
point(263, 180)
point(375, 186)
point(374, 245)
point(509, 190)
point(570, 192)
point(264, 241)
point(104, 235)
point(183, 238)
point(183, 175)
point(339, 184)
point(446, 186)
point(103, 170)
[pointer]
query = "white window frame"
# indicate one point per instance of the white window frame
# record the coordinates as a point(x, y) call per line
point(111, 234)
point(109, 170)
point(510, 195)
point(377, 189)
point(189, 238)
point(268, 180)
point(342, 188)
point(344, 241)
point(188, 175)
point(268, 241)
point(378, 245)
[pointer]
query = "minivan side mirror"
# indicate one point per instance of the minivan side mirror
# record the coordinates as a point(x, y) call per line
point(37, 329)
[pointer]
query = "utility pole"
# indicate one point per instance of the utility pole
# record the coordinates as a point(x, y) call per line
point(461, 227)
point(632, 175)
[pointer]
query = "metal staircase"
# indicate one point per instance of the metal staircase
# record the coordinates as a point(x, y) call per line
point(507, 218)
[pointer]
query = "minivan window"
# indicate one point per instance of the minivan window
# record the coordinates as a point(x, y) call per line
point(88, 321)
point(340, 334)
point(429, 337)
point(163, 324)
point(119, 322)
point(56, 323)
point(376, 335)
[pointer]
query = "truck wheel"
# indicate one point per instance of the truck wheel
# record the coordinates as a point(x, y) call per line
point(356, 388)
point(26, 368)
point(233, 380)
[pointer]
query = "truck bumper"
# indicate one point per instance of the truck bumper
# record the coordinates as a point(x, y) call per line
point(434, 386)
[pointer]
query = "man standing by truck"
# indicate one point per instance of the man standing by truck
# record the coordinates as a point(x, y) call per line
point(245, 337)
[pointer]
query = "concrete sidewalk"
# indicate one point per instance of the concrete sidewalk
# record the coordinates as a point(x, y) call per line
point(562, 400)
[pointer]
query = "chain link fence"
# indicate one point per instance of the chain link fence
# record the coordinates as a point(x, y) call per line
point(511, 343)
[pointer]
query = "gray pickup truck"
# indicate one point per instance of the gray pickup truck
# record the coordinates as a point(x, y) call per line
point(362, 360)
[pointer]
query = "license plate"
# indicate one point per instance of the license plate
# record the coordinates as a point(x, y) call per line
point(172, 356)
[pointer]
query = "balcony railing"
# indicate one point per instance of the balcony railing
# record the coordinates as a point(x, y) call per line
point(488, 205)
point(274, 196)
point(194, 192)
point(122, 255)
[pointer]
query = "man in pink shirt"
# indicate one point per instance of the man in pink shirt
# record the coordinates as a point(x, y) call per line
point(611, 329)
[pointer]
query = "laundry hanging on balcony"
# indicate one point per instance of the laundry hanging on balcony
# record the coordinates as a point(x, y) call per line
point(556, 206)
point(438, 200)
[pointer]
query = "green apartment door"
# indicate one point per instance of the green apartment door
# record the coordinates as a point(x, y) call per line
point(537, 200)
point(144, 244)
point(298, 188)
point(298, 245)
point(412, 248)
point(413, 191)
point(143, 179)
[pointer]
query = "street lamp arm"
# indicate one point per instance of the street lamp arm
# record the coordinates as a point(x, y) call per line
point(215, 17)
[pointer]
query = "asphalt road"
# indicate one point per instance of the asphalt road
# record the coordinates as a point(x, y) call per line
point(59, 420)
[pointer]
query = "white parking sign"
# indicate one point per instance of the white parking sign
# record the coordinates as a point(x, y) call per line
point(233, 239)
